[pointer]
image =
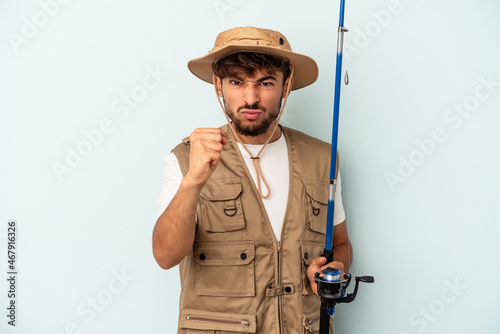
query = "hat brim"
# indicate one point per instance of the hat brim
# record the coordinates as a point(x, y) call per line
point(305, 68)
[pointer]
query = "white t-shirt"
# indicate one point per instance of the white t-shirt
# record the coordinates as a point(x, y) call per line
point(274, 166)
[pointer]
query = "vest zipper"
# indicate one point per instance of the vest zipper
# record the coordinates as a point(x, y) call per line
point(218, 320)
point(280, 298)
point(283, 227)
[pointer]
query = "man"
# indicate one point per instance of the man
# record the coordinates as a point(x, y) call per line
point(246, 203)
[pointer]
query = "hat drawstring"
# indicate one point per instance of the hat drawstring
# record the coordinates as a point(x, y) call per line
point(255, 159)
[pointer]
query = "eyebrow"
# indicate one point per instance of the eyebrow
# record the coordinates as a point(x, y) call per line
point(269, 77)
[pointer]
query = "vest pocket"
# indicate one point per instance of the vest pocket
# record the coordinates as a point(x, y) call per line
point(309, 251)
point(204, 322)
point(311, 322)
point(220, 206)
point(224, 268)
point(317, 204)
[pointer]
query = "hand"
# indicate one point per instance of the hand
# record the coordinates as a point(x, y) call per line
point(206, 146)
point(317, 265)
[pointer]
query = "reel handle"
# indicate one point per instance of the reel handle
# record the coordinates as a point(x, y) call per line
point(366, 279)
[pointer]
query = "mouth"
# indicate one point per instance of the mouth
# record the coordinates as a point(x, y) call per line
point(251, 114)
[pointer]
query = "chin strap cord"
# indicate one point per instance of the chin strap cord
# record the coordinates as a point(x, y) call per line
point(255, 159)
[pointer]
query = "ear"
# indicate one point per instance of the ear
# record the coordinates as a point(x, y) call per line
point(288, 86)
point(218, 85)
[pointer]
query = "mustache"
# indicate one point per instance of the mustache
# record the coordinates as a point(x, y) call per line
point(254, 106)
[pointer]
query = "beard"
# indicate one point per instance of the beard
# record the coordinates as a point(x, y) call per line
point(255, 127)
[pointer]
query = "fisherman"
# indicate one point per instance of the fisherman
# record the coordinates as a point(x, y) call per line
point(243, 207)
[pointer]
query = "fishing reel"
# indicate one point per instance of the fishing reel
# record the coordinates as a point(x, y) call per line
point(332, 287)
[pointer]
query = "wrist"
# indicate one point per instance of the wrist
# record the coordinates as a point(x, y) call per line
point(191, 185)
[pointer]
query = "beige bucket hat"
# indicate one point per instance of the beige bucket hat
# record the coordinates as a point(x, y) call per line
point(251, 39)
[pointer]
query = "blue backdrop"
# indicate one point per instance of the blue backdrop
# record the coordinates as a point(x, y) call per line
point(94, 94)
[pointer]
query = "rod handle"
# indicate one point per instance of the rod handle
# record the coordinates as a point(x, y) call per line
point(328, 253)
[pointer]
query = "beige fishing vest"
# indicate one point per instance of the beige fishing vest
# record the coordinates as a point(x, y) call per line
point(238, 278)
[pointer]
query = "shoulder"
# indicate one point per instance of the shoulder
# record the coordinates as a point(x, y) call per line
point(181, 152)
point(311, 156)
point(304, 140)
point(181, 148)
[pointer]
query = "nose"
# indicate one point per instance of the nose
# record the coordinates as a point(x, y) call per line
point(251, 95)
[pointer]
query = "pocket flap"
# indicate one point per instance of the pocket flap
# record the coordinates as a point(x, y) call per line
point(318, 190)
point(224, 253)
point(222, 189)
point(310, 250)
point(218, 321)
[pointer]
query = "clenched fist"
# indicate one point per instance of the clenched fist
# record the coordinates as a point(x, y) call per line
point(206, 146)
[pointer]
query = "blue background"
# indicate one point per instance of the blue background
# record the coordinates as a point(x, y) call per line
point(419, 145)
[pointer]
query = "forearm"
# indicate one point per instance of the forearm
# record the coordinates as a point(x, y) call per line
point(342, 250)
point(343, 253)
point(174, 232)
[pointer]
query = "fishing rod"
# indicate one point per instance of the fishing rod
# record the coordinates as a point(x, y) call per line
point(332, 285)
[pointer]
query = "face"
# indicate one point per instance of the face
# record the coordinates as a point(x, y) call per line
point(252, 103)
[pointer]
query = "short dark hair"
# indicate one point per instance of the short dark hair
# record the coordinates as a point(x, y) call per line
point(249, 63)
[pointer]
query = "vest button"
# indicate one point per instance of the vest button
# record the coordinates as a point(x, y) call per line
point(202, 257)
point(243, 256)
point(288, 289)
point(306, 256)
